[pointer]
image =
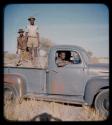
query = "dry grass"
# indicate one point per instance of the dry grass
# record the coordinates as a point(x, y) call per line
point(29, 109)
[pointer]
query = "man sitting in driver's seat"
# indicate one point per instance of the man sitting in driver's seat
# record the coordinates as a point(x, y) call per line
point(60, 61)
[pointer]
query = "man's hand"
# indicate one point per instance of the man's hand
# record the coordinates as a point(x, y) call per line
point(38, 43)
point(67, 62)
point(17, 52)
point(38, 39)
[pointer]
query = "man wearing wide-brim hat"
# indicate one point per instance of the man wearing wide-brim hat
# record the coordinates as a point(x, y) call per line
point(21, 46)
point(32, 35)
point(20, 31)
point(31, 17)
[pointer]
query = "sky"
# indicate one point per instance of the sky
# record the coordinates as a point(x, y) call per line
point(85, 25)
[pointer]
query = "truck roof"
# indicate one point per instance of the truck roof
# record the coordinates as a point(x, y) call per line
point(69, 46)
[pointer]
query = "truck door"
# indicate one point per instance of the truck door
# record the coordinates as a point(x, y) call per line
point(70, 78)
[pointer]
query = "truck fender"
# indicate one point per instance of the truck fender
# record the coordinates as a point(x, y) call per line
point(16, 82)
point(93, 87)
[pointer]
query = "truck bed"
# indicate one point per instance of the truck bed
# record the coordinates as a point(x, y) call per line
point(35, 78)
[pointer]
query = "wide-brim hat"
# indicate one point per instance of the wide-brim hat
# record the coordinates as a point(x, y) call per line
point(20, 31)
point(31, 17)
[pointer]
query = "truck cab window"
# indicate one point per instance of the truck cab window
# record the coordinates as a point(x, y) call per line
point(63, 58)
point(75, 58)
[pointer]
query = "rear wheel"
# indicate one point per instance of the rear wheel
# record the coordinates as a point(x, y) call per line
point(102, 103)
point(9, 95)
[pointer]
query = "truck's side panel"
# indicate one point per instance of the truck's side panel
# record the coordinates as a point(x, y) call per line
point(93, 87)
point(35, 78)
point(66, 81)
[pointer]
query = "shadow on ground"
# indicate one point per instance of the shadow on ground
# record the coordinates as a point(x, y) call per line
point(45, 117)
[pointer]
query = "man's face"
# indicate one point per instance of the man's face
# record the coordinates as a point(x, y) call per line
point(32, 21)
point(76, 54)
point(21, 33)
point(62, 55)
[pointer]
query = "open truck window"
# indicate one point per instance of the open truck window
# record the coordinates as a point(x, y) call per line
point(63, 58)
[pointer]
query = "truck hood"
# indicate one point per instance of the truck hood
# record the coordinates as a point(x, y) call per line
point(99, 69)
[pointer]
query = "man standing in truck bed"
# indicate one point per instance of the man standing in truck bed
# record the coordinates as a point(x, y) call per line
point(21, 46)
point(33, 39)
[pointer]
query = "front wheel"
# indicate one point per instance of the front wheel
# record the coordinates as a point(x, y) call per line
point(102, 102)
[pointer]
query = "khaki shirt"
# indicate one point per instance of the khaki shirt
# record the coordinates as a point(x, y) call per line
point(21, 42)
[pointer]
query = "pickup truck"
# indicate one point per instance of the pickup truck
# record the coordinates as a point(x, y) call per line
point(79, 82)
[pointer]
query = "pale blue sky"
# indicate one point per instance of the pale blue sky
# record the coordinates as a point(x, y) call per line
point(85, 25)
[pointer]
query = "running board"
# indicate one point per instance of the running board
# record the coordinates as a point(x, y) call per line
point(56, 98)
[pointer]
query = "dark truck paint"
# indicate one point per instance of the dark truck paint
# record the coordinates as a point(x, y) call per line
point(74, 83)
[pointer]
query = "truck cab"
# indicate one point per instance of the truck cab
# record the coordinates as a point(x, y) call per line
point(71, 78)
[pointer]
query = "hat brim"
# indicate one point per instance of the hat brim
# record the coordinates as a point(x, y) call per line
point(31, 18)
point(21, 32)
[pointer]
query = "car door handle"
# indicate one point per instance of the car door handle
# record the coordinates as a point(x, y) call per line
point(52, 71)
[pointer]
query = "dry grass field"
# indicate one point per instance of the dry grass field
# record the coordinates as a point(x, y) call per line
point(29, 110)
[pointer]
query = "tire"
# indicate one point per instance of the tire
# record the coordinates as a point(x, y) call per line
point(102, 103)
point(10, 95)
